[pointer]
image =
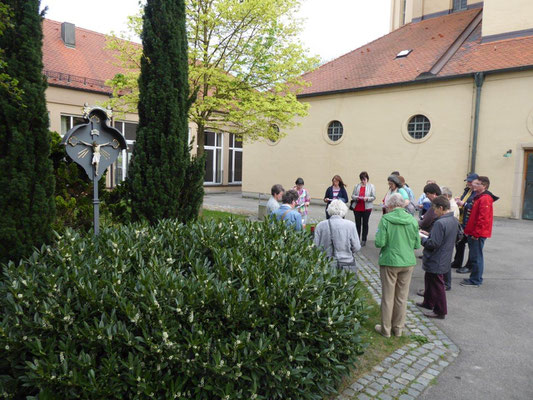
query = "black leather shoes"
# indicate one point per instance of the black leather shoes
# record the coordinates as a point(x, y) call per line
point(433, 315)
point(421, 305)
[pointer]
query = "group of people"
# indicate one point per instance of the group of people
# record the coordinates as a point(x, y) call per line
point(444, 223)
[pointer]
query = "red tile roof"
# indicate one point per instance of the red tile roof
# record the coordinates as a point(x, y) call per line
point(87, 66)
point(375, 64)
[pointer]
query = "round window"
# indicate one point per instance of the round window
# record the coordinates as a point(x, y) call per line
point(335, 131)
point(418, 126)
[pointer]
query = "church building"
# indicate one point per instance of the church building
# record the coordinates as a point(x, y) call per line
point(448, 91)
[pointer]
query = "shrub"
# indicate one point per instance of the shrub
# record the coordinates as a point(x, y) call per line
point(211, 310)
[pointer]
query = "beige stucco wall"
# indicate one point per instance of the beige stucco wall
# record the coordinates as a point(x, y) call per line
point(418, 8)
point(506, 16)
point(63, 101)
point(505, 124)
point(375, 140)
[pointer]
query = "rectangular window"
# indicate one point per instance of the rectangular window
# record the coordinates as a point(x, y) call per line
point(459, 5)
point(235, 159)
point(214, 158)
point(120, 167)
point(70, 121)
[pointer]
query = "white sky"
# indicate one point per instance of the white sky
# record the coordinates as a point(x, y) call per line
point(332, 27)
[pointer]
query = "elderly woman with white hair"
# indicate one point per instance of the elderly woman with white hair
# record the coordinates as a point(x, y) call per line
point(397, 237)
point(338, 237)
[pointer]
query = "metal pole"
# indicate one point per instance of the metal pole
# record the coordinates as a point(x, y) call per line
point(96, 206)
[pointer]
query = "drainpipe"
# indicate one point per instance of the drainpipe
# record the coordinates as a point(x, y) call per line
point(479, 77)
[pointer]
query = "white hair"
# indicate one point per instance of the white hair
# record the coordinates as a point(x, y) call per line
point(337, 207)
point(446, 192)
point(395, 201)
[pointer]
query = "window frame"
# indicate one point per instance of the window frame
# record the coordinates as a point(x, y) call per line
point(405, 127)
point(326, 132)
point(232, 150)
point(219, 145)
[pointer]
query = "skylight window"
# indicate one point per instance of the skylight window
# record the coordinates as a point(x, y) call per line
point(403, 53)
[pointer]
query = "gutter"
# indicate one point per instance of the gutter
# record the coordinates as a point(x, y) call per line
point(419, 81)
point(479, 78)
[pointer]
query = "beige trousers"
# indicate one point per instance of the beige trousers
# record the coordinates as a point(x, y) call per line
point(395, 283)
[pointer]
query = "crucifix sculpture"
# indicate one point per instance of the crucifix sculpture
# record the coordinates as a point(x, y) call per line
point(94, 145)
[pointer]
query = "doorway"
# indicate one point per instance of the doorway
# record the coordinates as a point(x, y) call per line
point(527, 210)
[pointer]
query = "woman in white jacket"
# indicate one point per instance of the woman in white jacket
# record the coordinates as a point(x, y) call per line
point(363, 197)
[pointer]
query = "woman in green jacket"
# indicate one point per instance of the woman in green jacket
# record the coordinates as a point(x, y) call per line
point(397, 237)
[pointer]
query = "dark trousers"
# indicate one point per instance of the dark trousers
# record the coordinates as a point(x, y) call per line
point(435, 293)
point(460, 252)
point(361, 218)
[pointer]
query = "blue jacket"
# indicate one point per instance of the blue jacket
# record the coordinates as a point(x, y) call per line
point(291, 218)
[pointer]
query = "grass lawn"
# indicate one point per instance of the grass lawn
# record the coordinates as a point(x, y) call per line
point(219, 215)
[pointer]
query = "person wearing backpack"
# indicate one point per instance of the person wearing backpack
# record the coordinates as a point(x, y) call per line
point(287, 212)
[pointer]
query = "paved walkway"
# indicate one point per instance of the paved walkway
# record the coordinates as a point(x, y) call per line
point(490, 326)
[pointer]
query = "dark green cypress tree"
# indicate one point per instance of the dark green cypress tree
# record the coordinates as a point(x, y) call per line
point(165, 182)
point(26, 177)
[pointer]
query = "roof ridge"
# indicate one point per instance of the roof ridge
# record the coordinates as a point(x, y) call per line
point(90, 30)
point(454, 47)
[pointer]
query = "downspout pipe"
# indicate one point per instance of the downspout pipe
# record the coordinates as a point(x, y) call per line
point(479, 78)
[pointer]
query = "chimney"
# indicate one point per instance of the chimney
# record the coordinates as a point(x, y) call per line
point(68, 34)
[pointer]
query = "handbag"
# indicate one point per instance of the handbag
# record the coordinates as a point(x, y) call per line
point(353, 203)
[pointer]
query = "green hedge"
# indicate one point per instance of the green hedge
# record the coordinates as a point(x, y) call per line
point(212, 310)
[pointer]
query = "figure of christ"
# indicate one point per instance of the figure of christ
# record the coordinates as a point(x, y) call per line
point(97, 150)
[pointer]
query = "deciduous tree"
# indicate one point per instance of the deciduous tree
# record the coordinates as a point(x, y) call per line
point(245, 66)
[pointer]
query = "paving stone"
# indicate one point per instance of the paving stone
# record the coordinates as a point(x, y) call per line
point(402, 381)
point(422, 381)
point(394, 371)
point(388, 376)
point(407, 376)
point(348, 392)
point(418, 386)
point(396, 385)
point(406, 397)
point(384, 396)
point(432, 372)
point(356, 387)
point(363, 396)
point(383, 381)
point(413, 392)
point(444, 363)
point(376, 386)
point(370, 392)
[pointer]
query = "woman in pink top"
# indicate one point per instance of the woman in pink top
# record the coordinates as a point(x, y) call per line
point(364, 195)
point(303, 199)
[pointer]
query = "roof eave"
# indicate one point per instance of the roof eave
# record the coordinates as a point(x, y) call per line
point(423, 78)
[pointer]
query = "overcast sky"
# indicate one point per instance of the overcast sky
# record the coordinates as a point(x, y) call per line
point(332, 27)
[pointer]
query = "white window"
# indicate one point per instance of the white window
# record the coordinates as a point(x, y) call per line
point(69, 121)
point(235, 160)
point(120, 167)
point(213, 157)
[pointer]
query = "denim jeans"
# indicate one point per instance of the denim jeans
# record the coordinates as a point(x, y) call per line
point(475, 247)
